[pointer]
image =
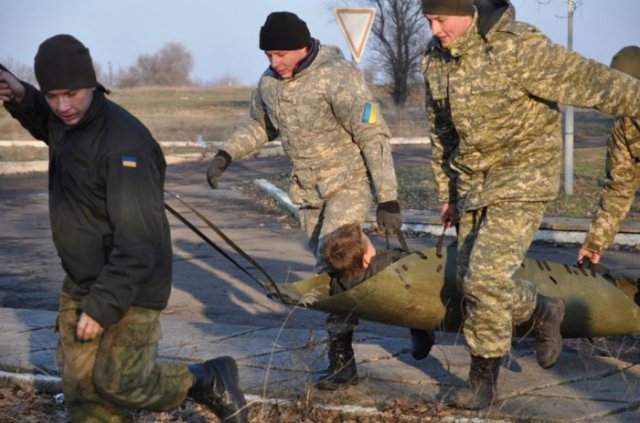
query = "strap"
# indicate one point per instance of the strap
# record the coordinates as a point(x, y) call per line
point(441, 239)
point(594, 268)
point(440, 242)
point(225, 238)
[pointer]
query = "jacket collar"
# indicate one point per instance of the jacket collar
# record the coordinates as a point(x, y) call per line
point(304, 63)
point(307, 61)
point(95, 111)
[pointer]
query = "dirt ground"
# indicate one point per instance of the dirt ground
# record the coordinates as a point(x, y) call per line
point(17, 405)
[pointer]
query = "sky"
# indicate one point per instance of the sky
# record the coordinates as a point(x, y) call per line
point(222, 35)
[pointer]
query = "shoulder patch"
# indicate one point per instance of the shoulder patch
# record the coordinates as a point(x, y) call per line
point(129, 161)
point(370, 113)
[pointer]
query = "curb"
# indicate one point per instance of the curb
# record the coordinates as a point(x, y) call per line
point(560, 230)
point(28, 381)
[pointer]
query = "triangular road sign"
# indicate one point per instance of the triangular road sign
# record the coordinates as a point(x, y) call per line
point(355, 24)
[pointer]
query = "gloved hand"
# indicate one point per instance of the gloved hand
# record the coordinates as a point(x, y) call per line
point(388, 217)
point(219, 164)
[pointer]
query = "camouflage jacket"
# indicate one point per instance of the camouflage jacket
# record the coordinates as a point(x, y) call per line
point(491, 104)
point(621, 183)
point(320, 115)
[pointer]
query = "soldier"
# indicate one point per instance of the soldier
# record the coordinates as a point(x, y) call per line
point(352, 258)
point(492, 84)
point(622, 170)
point(106, 178)
point(319, 106)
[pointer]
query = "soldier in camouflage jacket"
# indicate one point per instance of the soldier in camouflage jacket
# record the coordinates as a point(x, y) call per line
point(492, 87)
point(622, 170)
point(319, 106)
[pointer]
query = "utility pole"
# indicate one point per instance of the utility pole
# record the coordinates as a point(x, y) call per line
point(568, 114)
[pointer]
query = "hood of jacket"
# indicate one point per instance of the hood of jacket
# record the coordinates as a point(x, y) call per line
point(490, 13)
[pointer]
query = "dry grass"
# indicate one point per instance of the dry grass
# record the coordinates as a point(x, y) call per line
point(183, 113)
point(172, 114)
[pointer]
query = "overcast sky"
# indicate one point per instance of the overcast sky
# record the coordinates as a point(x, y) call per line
point(223, 35)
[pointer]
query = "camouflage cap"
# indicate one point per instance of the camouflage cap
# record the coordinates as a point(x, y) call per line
point(627, 60)
point(447, 7)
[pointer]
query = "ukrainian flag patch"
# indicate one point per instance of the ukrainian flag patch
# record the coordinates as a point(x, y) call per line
point(129, 161)
point(370, 113)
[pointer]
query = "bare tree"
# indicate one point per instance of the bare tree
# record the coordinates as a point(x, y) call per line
point(169, 66)
point(400, 34)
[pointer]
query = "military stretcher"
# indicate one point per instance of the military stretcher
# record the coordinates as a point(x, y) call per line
point(419, 291)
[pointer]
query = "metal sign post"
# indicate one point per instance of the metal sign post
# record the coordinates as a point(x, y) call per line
point(569, 116)
point(356, 24)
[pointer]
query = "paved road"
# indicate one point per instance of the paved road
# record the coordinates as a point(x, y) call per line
point(31, 275)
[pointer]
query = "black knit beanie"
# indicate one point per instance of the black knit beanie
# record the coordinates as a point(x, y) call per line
point(447, 7)
point(627, 60)
point(62, 63)
point(284, 31)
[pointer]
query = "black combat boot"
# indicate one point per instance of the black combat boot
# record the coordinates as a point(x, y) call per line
point(480, 389)
point(547, 319)
point(421, 343)
point(342, 370)
point(217, 387)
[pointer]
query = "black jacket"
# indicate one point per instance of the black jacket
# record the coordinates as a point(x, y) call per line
point(106, 204)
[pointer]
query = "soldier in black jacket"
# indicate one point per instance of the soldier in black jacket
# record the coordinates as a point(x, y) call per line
point(352, 259)
point(106, 178)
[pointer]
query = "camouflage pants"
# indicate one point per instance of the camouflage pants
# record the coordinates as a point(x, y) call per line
point(492, 245)
point(345, 206)
point(104, 378)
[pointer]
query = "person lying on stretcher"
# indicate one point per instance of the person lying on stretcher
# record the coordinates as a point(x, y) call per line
point(352, 259)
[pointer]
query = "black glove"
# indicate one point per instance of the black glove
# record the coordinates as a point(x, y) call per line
point(388, 217)
point(219, 164)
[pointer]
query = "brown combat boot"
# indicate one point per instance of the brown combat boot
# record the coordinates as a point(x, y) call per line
point(480, 389)
point(547, 319)
point(342, 371)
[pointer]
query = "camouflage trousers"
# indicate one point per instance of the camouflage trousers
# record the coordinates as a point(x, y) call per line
point(349, 205)
point(104, 378)
point(492, 243)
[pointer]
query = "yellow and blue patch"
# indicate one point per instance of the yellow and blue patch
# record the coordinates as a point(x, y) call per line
point(370, 114)
point(129, 161)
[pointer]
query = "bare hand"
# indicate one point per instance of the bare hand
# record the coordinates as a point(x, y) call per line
point(88, 328)
point(449, 214)
point(10, 88)
point(591, 255)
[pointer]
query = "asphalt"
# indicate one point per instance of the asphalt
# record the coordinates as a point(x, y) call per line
point(279, 352)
